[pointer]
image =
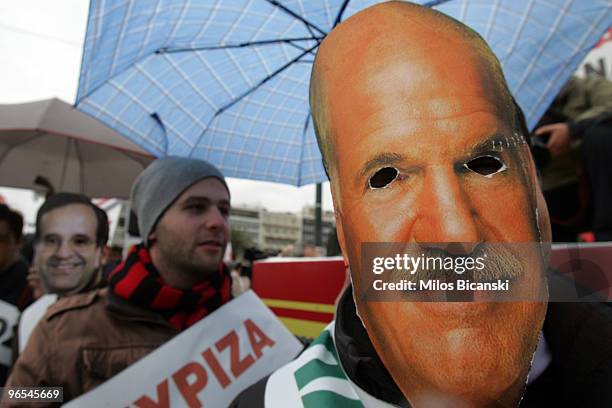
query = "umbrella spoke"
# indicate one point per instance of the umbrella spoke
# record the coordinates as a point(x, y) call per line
point(435, 3)
point(65, 164)
point(310, 31)
point(341, 12)
point(79, 157)
point(299, 47)
point(291, 41)
point(297, 16)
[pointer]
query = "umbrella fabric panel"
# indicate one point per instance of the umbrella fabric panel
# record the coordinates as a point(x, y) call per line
point(69, 164)
point(202, 78)
point(121, 33)
point(174, 84)
point(74, 152)
point(58, 117)
point(14, 116)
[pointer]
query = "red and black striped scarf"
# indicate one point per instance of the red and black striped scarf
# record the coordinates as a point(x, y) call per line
point(137, 280)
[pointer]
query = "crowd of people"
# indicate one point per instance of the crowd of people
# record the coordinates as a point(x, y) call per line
point(423, 143)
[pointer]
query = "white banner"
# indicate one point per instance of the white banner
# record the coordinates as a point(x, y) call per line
point(206, 365)
point(9, 315)
point(599, 60)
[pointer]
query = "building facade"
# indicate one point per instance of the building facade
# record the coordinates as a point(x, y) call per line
point(328, 224)
point(274, 231)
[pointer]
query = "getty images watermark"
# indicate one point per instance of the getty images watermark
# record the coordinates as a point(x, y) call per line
point(472, 272)
point(412, 265)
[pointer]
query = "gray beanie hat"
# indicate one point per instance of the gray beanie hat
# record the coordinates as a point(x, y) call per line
point(161, 183)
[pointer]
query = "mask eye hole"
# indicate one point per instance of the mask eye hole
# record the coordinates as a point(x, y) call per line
point(485, 165)
point(383, 177)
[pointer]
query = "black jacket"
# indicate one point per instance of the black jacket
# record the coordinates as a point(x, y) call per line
point(14, 289)
point(14, 285)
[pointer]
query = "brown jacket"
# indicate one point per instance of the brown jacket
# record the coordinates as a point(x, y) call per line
point(83, 340)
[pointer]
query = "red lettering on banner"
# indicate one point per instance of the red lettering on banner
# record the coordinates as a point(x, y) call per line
point(254, 333)
point(216, 368)
point(237, 365)
point(163, 399)
point(190, 390)
point(192, 378)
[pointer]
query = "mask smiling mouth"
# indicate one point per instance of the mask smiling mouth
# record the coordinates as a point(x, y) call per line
point(65, 265)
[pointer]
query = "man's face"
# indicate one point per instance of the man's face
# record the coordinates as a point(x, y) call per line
point(67, 255)
point(415, 162)
point(192, 234)
point(9, 246)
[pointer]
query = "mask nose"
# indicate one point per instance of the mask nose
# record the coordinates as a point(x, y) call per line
point(64, 249)
point(446, 213)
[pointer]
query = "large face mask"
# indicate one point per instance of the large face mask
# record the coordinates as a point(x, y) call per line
point(459, 220)
point(431, 165)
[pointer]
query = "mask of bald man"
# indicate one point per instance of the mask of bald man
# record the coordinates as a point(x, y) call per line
point(423, 144)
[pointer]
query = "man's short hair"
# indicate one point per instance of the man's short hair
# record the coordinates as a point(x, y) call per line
point(13, 219)
point(59, 200)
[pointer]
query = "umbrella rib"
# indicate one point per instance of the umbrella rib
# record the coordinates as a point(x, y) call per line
point(141, 160)
point(81, 167)
point(435, 3)
point(304, 49)
point(310, 31)
point(341, 12)
point(169, 50)
point(253, 89)
point(296, 16)
point(297, 46)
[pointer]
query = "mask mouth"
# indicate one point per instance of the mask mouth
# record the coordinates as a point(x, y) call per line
point(65, 264)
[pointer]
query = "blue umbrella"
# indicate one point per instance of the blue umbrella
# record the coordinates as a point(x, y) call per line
point(227, 81)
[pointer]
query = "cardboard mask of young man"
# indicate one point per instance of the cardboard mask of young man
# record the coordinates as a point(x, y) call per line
point(70, 235)
point(407, 102)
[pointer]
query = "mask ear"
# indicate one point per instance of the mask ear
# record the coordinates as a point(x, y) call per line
point(341, 239)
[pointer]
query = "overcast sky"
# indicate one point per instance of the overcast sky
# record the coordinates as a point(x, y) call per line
point(41, 46)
